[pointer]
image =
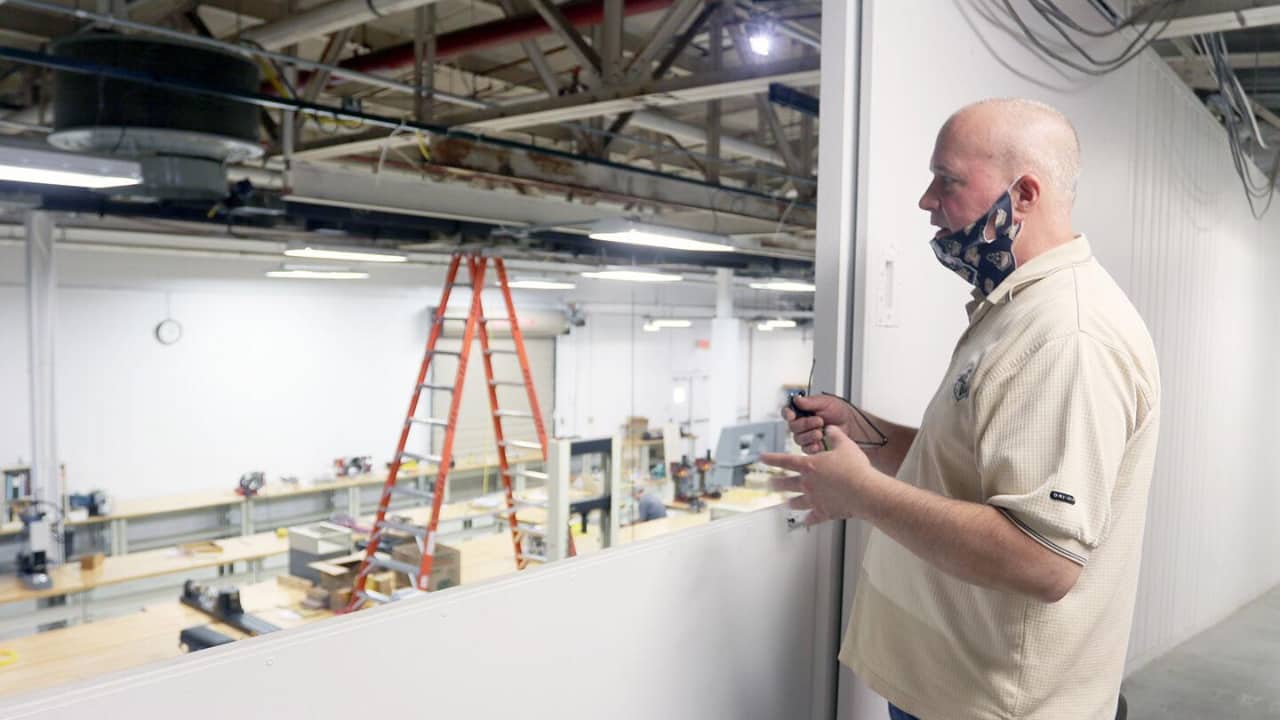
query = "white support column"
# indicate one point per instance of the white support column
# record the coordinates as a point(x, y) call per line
point(557, 528)
point(724, 387)
point(619, 492)
point(42, 289)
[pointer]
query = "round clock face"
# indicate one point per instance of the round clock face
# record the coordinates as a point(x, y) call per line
point(168, 332)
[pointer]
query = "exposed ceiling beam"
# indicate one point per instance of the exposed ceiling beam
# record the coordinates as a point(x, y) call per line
point(1209, 16)
point(1238, 61)
point(730, 82)
point(324, 19)
point(609, 180)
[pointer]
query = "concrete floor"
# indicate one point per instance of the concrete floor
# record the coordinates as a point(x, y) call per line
point(1228, 672)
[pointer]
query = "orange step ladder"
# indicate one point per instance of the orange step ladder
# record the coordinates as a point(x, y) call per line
point(476, 327)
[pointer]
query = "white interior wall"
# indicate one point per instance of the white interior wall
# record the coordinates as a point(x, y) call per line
point(611, 369)
point(279, 376)
point(1166, 216)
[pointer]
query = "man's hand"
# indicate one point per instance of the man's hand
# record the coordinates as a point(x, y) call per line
point(836, 484)
point(830, 411)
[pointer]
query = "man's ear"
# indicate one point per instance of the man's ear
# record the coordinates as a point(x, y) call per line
point(1026, 193)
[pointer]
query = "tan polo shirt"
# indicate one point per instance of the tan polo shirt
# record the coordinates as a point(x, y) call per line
point(1049, 412)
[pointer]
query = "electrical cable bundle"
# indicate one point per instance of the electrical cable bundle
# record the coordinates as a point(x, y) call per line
point(1148, 23)
point(1235, 107)
point(1153, 19)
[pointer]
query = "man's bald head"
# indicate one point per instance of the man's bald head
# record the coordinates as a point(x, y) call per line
point(1021, 136)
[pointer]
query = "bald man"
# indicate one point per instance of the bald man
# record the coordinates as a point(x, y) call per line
point(1001, 569)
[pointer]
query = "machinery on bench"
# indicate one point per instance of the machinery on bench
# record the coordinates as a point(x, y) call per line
point(39, 532)
point(740, 447)
point(223, 605)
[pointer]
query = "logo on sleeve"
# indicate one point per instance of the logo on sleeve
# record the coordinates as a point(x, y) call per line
point(1062, 497)
point(960, 390)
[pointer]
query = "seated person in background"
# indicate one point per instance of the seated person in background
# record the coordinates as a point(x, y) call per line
point(648, 505)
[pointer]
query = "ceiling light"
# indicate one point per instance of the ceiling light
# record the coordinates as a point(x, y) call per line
point(650, 327)
point(633, 232)
point(760, 36)
point(19, 163)
point(348, 254)
point(536, 284)
point(633, 276)
point(780, 323)
point(784, 286)
point(670, 323)
point(303, 274)
point(764, 327)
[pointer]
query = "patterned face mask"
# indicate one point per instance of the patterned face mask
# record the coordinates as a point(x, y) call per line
point(983, 263)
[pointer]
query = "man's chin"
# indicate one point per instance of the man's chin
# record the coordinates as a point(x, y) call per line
point(941, 232)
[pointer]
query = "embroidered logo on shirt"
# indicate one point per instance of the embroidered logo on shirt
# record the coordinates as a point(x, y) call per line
point(1061, 497)
point(960, 390)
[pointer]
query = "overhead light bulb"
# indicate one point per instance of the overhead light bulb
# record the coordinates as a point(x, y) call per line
point(764, 327)
point(633, 276)
point(761, 42)
point(784, 286)
point(311, 252)
point(316, 272)
point(650, 327)
point(634, 232)
point(670, 323)
point(537, 284)
point(19, 163)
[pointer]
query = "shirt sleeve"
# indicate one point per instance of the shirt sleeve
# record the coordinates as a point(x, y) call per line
point(1051, 432)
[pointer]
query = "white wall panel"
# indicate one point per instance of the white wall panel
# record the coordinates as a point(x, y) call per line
point(1167, 217)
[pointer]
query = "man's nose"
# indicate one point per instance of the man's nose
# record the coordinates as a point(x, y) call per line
point(927, 201)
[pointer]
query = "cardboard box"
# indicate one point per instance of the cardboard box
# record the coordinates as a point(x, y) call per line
point(338, 599)
point(336, 573)
point(446, 565)
point(637, 426)
point(92, 562)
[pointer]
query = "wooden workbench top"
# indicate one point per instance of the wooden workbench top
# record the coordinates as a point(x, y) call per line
point(150, 563)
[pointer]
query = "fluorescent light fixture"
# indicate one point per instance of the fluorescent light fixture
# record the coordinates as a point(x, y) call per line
point(536, 284)
point(650, 327)
point(764, 327)
point(780, 323)
point(632, 232)
point(19, 163)
point(633, 276)
point(315, 274)
point(311, 252)
point(670, 323)
point(784, 286)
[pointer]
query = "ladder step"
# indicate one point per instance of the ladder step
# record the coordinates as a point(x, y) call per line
point(406, 491)
point(513, 413)
point(407, 528)
point(528, 474)
point(437, 422)
point(374, 596)
point(523, 444)
point(454, 353)
point(506, 383)
point(492, 351)
point(391, 564)
point(429, 386)
point(433, 459)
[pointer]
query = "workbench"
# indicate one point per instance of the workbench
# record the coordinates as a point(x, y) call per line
point(243, 521)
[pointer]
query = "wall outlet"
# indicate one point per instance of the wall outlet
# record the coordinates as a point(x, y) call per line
point(886, 312)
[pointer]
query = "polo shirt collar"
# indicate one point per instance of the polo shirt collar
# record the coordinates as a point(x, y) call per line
point(1043, 265)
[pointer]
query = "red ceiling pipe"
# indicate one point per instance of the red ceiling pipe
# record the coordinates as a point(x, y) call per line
point(498, 32)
